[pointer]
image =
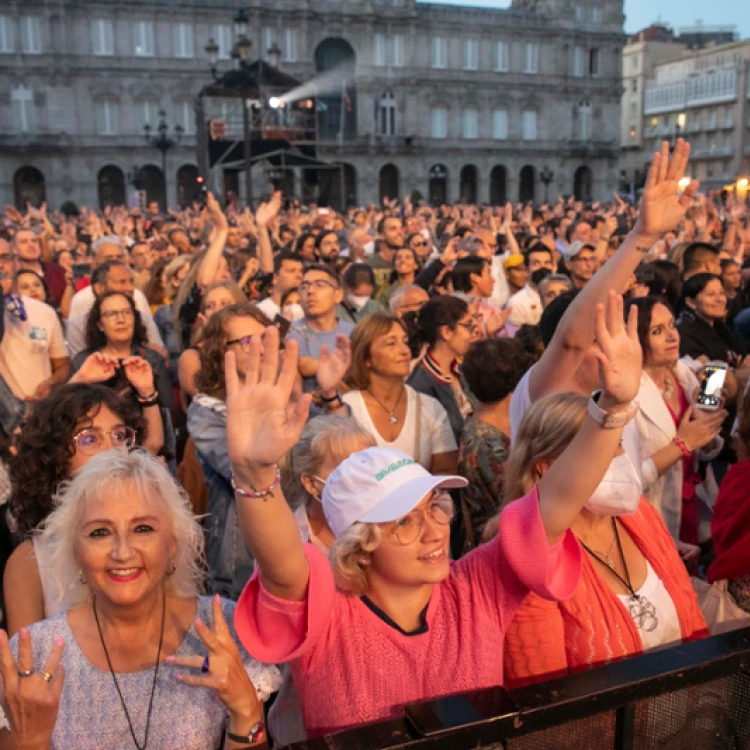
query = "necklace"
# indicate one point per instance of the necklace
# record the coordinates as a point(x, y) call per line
point(606, 555)
point(641, 609)
point(392, 418)
point(156, 672)
point(668, 391)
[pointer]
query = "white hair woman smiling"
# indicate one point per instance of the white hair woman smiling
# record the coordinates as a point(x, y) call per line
point(126, 554)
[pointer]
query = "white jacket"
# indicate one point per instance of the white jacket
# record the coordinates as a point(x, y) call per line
point(656, 429)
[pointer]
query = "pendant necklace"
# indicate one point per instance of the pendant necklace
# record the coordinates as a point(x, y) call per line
point(641, 609)
point(392, 418)
point(668, 390)
point(156, 672)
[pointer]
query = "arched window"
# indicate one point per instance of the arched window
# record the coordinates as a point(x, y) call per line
point(337, 110)
point(111, 186)
point(188, 188)
point(29, 187)
point(438, 187)
point(153, 184)
point(526, 184)
point(469, 184)
point(389, 182)
point(583, 184)
point(497, 186)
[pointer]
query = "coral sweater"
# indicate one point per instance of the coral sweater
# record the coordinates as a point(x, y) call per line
point(593, 627)
point(351, 668)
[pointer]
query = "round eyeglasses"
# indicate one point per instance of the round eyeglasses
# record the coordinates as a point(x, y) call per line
point(91, 440)
point(409, 528)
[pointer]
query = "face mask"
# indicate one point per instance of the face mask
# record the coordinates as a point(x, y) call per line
point(619, 492)
point(357, 301)
point(322, 481)
point(539, 275)
point(369, 248)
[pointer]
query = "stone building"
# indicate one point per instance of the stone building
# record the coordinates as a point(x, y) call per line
point(445, 100)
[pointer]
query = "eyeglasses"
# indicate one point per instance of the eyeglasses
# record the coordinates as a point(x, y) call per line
point(112, 314)
point(409, 528)
point(422, 243)
point(91, 441)
point(470, 327)
point(244, 343)
point(319, 284)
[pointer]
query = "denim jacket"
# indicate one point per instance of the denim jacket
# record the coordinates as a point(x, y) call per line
point(229, 562)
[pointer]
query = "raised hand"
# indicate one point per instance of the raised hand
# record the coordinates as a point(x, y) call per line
point(267, 212)
point(140, 375)
point(662, 207)
point(620, 357)
point(333, 367)
point(497, 319)
point(31, 698)
point(97, 368)
point(262, 422)
point(226, 673)
point(215, 214)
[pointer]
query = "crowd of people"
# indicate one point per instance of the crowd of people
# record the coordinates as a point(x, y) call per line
point(273, 475)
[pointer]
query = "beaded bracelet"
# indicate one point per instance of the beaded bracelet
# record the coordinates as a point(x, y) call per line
point(263, 493)
point(148, 400)
point(682, 446)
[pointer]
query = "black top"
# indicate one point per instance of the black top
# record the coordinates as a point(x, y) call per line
point(717, 342)
point(387, 620)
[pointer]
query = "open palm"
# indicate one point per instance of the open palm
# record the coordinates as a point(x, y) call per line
point(263, 423)
point(662, 208)
point(332, 367)
point(620, 357)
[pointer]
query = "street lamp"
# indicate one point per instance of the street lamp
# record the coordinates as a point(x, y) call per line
point(162, 142)
point(212, 51)
point(240, 24)
point(546, 176)
point(274, 52)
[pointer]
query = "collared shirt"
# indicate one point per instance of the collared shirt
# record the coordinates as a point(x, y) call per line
point(310, 343)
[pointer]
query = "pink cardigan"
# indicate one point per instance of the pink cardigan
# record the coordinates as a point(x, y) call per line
point(351, 668)
point(547, 639)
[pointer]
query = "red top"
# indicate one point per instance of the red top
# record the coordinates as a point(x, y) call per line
point(690, 478)
point(730, 525)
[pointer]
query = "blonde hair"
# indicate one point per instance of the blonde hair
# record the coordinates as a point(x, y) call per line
point(103, 477)
point(350, 556)
point(331, 435)
point(545, 432)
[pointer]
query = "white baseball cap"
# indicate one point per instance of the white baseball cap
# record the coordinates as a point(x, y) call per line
point(574, 248)
point(378, 485)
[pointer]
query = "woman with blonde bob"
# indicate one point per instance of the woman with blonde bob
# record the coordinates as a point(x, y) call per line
point(395, 414)
point(391, 600)
point(125, 552)
point(625, 548)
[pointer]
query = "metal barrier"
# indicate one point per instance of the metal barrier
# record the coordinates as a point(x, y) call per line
point(694, 696)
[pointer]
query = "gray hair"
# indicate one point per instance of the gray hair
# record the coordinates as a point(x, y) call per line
point(110, 239)
point(555, 277)
point(397, 298)
point(331, 435)
point(104, 476)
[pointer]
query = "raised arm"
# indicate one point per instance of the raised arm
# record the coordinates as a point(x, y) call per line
point(263, 424)
point(662, 209)
point(210, 264)
point(265, 214)
point(562, 492)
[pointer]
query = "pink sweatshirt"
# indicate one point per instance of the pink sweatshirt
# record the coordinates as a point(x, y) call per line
point(352, 668)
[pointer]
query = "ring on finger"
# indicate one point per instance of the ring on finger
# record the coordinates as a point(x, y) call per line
point(46, 676)
point(205, 666)
point(25, 673)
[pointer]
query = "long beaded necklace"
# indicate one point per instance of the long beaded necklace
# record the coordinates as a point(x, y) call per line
point(156, 672)
point(641, 609)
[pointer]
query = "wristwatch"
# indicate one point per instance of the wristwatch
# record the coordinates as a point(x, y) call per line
point(607, 420)
point(256, 734)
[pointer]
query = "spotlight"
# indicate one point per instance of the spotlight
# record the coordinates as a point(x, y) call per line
point(274, 102)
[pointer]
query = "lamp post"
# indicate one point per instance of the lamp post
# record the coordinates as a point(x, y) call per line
point(546, 176)
point(163, 143)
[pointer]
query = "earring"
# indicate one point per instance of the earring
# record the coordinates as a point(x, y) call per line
point(80, 577)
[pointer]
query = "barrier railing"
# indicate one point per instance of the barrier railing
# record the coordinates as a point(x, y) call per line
point(694, 696)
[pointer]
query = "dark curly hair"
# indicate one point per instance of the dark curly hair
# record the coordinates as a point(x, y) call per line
point(45, 445)
point(210, 378)
point(96, 340)
point(493, 368)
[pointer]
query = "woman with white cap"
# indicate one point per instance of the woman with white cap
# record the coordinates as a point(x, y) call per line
point(361, 634)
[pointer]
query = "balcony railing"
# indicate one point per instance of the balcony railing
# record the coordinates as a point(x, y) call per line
point(725, 123)
point(717, 152)
point(694, 127)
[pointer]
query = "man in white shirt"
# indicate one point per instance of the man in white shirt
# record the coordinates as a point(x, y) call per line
point(110, 276)
point(287, 274)
point(526, 304)
point(33, 356)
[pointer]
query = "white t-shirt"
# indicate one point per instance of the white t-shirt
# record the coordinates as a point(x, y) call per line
point(520, 402)
point(667, 629)
point(28, 346)
point(436, 435)
point(270, 309)
point(526, 307)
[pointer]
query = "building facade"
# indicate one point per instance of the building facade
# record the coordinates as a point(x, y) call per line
point(449, 101)
point(701, 95)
